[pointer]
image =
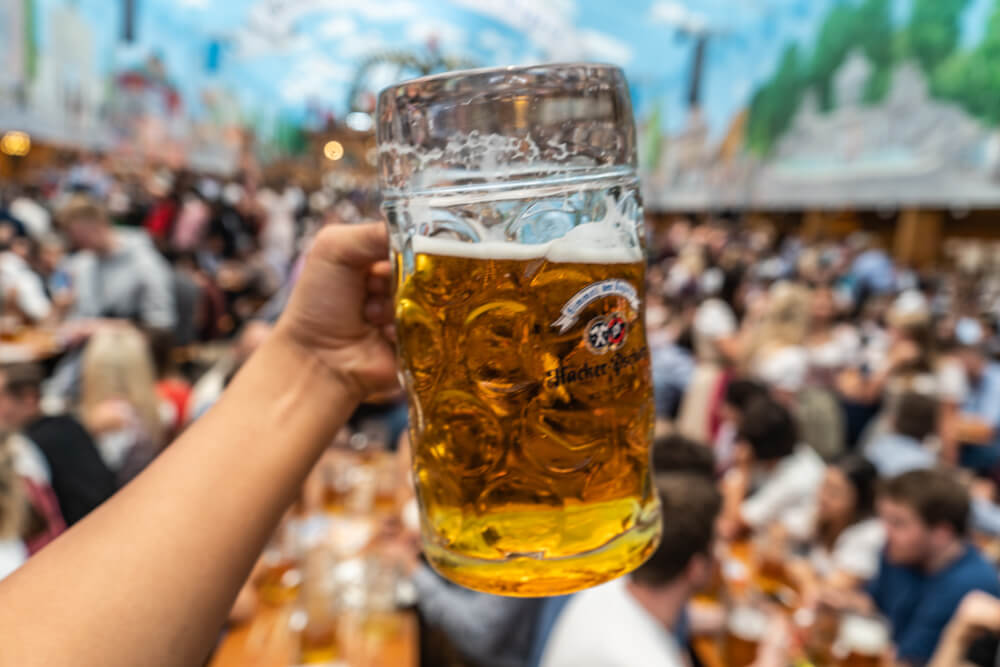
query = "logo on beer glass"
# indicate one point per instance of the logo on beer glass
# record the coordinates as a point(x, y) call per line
point(606, 334)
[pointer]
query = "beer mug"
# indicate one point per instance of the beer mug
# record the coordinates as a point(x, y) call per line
point(863, 641)
point(518, 241)
point(746, 628)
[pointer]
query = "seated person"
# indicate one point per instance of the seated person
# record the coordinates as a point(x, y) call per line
point(23, 290)
point(903, 447)
point(847, 536)
point(79, 477)
point(978, 428)
point(928, 565)
point(487, 630)
point(116, 274)
point(778, 477)
point(674, 453)
point(737, 397)
point(629, 622)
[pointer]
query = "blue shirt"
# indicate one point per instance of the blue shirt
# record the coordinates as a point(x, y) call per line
point(919, 605)
point(983, 400)
point(873, 269)
point(893, 454)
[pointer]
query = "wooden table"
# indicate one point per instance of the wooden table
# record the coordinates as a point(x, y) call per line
point(30, 345)
point(268, 641)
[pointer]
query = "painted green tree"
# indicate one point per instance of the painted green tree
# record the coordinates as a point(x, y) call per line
point(872, 31)
point(934, 31)
point(773, 106)
point(972, 78)
point(836, 39)
point(931, 38)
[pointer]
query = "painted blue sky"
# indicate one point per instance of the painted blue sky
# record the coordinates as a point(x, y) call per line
point(284, 54)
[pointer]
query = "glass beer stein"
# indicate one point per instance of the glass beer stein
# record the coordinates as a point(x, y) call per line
point(518, 241)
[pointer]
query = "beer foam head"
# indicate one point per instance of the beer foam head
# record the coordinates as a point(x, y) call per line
point(589, 243)
point(746, 622)
point(864, 635)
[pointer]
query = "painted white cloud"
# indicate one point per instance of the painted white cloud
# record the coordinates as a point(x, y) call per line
point(676, 14)
point(337, 26)
point(359, 44)
point(548, 25)
point(600, 46)
point(290, 11)
point(384, 11)
point(314, 77)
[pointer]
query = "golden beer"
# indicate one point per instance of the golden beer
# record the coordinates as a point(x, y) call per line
point(745, 630)
point(531, 429)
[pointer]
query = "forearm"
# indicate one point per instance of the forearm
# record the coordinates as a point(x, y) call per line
point(974, 431)
point(168, 554)
point(951, 649)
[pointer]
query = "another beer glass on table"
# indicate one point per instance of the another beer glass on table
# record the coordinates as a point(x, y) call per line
point(517, 237)
point(772, 554)
point(337, 480)
point(387, 484)
point(746, 628)
point(863, 641)
point(281, 577)
point(317, 617)
point(820, 627)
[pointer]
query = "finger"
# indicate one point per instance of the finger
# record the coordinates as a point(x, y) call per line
point(353, 245)
point(379, 286)
point(379, 311)
point(382, 269)
point(389, 331)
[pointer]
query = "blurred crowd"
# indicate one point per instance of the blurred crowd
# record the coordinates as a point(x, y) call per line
point(128, 300)
point(815, 399)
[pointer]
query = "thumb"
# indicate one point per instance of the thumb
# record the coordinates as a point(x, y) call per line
point(352, 245)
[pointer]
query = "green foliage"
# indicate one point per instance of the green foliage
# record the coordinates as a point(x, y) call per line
point(934, 31)
point(848, 27)
point(873, 31)
point(835, 40)
point(972, 79)
point(877, 86)
point(773, 106)
point(652, 140)
point(31, 39)
point(931, 38)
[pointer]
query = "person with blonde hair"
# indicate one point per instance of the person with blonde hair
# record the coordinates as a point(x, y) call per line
point(783, 323)
point(118, 401)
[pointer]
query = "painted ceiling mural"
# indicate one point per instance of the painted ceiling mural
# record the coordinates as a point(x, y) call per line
point(770, 103)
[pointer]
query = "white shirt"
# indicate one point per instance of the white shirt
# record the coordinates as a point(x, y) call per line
point(29, 462)
point(840, 350)
point(855, 552)
point(12, 555)
point(787, 494)
point(607, 627)
point(28, 287)
point(36, 220)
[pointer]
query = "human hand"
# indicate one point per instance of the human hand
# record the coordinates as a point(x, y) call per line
point(341, 313)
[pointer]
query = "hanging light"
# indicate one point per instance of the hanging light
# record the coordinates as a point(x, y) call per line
point(333, 150)
point(15, 143)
